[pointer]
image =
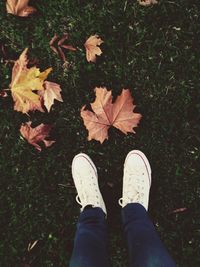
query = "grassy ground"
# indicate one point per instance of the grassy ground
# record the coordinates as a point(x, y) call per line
point(153, 51)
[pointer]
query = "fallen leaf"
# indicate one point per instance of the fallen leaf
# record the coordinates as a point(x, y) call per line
point(19, 8)
point(50, 93)
point(26, 84)
point(92, 49)
point(23, 92)
point(37, 134)
point(147, 2)
point(105, 114)
point(60, 46)
point(179, 210)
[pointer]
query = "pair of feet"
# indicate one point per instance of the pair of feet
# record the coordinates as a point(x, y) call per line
point(136, 181)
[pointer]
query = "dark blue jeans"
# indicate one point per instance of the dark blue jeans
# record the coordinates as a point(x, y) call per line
point(144, 245)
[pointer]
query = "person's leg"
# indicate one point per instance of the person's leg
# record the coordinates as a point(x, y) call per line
point(90, 243)
point(144, 245)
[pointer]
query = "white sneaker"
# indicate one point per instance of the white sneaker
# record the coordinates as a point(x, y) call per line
point(136, 180)
point(85, 178)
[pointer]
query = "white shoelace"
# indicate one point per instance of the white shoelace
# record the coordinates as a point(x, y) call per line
point(78, 200)
point(137, 199)
point(85, 198)
point(133, 192)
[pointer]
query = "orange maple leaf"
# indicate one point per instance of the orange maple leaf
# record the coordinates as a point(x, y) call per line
point(147, 2)
point(106, 114)
point(37, 134)
point(92, 49)
point(19, 8)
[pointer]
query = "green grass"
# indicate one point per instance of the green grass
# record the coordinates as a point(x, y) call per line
point(153, 51)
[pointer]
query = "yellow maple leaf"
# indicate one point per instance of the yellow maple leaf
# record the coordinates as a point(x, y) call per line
point(25, 84)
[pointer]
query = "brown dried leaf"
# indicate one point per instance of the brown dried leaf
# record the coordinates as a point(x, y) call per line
point(92, 49)
point(54, 49)
point(37, 134)
point(61, 41)
point(106, 114)
point(50, 93)
point(179, 210)
point(69, 47)
point(59, 46)
point(53, 39)
point(19, 8)
point(147, 2)
point(62, 55)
